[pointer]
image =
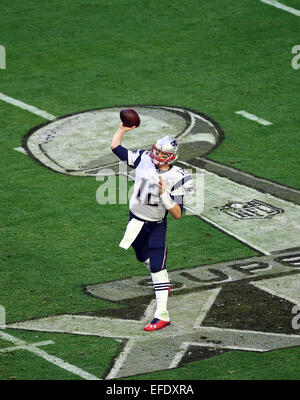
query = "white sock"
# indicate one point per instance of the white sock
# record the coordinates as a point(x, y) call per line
point(161, 286)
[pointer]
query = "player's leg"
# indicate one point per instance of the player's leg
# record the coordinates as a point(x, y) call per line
point(140, 246)
point(159, 274)
point(161, 282)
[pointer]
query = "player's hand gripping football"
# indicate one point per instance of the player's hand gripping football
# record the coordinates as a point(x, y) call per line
point(126, 128)
point(117, 139)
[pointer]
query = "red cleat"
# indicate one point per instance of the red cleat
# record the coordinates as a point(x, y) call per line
point(156, 324)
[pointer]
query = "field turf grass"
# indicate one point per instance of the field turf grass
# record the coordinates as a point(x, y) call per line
point(65, 56)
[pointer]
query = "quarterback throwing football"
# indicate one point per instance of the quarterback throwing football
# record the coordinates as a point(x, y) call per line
point(159, 188)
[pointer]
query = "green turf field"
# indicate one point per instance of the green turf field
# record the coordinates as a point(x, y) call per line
point(216, 57)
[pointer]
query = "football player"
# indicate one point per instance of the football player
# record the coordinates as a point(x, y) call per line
point(158, 189)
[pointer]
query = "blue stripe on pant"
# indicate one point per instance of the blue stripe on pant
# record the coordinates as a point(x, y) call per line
point(151, 243)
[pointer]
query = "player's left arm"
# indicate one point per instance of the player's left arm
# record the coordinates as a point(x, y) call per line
point(174, 208)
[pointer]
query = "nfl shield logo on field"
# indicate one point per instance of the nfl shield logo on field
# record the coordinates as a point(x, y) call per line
point(252, 209)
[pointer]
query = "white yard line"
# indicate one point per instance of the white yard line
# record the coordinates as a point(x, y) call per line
point(281, 6)
point(24, 347)
point(27, 107)
point(253, 117)
point(52, 359)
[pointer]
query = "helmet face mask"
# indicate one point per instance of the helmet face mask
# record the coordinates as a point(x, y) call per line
point(164, 151)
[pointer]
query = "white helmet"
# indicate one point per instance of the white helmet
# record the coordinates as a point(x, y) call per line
point(169, 146)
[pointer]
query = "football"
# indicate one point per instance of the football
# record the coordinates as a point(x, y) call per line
point(130, 118)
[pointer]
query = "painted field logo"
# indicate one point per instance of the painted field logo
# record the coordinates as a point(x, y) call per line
point(79, 144)
point(245, 304)
point(253, 209)
point(214, 309)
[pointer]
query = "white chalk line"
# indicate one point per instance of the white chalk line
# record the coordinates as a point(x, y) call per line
point(32, 348)
point(13, 348)
point(281, 6)
point(253, 117)
point(28, 107)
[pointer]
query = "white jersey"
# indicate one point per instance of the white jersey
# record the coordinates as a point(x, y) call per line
point(145, 203)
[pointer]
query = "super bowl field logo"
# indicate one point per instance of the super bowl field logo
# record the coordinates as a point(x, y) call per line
point(206, 305)
point(79, 144)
